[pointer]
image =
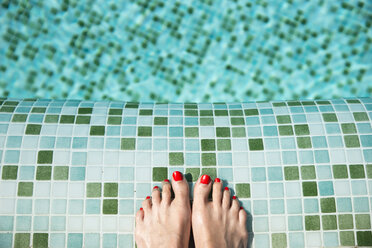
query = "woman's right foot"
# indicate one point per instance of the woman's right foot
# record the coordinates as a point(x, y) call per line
point(220, 223)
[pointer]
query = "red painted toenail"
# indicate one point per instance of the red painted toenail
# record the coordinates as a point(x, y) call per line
point(141, 209)
point(217, 180)
point(148, 197)
point(156, 187)
point(241, 207)
point(166, 180)
point(177, 176)
point(226, 188)
point(234, 197)
point(205, 179)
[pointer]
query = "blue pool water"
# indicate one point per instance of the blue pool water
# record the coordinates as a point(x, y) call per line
point(181, 51)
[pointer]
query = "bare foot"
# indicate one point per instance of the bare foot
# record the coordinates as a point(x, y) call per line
point(162, 222)
point(218, 223)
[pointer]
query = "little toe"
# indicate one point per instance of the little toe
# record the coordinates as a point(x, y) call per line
point(166, 192)
point(242, 216)
point(139, 216)
point(226, 198)
point(155, 196)
point(217, 192)
point(235, 206)
point(146, 204)
point(202, 189)
point(180, 187)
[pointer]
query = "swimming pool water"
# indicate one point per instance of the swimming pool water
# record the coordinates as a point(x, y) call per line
point(182, 51)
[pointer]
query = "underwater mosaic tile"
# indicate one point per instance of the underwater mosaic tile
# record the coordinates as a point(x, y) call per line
point(73, 173)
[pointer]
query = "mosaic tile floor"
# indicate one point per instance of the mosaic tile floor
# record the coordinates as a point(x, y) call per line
point(73, 173)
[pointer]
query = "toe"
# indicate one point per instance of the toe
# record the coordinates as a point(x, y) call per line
point(202, 189)
point(242, 217)
point(139, 216)
point(155, 196)
point(180, 188)
point(166, 192)
point(226, 198)
point(146, 204)
point(235, 206)
point(217, 192)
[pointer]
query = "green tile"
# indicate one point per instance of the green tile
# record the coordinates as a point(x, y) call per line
point(208, 145)
point(279, 240)
point(40, 240)
point(243, 190)
point(60, 172)
point(85, 111)
point(255, 144)
point(144, 131)
point(328, 205)
point(250, 112)
point(309, 189)
point(238, 132)
point(329, 222)
point(279, 104)
point(110, 190)
point(360, 116)
point(128, 144)
point(114, 120)
point(206, 112)
point(339, 171)
point(323, 102)
point(347, 238)
point(22, 240)
point(223, 144)
point(191, 132)
point(356, 171)
point(285, 130)
point(302, 129)
point(303, 142)
point(352, 101)
point(329, 117)
point(94, 189)
point(192, 174)
point(159, 174)
point(33, 129)
point(19, 118)
point(145, 112)
point(208, 159)
point(51, 119)
point(7, 109)
point(9, 172)
point(308, 172)
point(45, 157)
point(83, 119)
point(212, 172)
point(283, 119)
point(369, 170)
point(348, 128)
point(294, 103)
point(206, 122)
point(221, 113)
point(291, 173)
point(363, 221)
point(191, 113)
point(312, 222)
point(364, 238)
point(115, 111)
point(110, 206)
point(345, 221)
point(131, 105)
point(236, 112)
point(237, 121)
point(25, 188)
point(161, 121)
point(176, 158)
point(351, 141)
point(67, 119)
point(190, 106)
point(308, 103)
point(44, 173)
point(97, 130)
point(223, 132)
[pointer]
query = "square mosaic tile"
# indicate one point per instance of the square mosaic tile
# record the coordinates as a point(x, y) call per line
point(73, 173)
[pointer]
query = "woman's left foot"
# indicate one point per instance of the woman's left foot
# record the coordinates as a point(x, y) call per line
point(162, 222)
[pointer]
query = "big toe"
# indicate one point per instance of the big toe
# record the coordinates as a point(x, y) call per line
point(202, 189)
point(180, 187)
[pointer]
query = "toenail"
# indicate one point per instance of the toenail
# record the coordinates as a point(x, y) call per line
point(234, 197)
point(156, 187)
point(241, 207)
point(166, 180)
point(177, 176)
point(217, 180)
point(141, 209)
point(226, 188)
point(205, 179)
point(148, 197)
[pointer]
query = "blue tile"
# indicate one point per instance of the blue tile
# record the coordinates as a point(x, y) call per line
point(275, 173)
point(76, 207)
point(144, 144)
point(14, 142)
point(192, 159)
point(159, 131)
point(296, 239)
point(299, 118)
point(59, 206)
point(262, 239)
point(6, 239)
point(160, 144)
point(276, 190)
point(175, 144)
point(344, 204)
point(126, 173)
point(175, 112)
point(254, 131)
point(41, 223)
point(366, 140)
point(47, 142)
point(58, 223)
point(63, 142)
point(225, 174)
point(109, 240)
point(306, 157)
point(3, 128)
point(341, 107)
point(92, 206)
point(323, 172)
point(11, 157)
point(258, 174)
point(6, 223)
point(75, 240)
point(175, 121)
point(296, 109)
point(224, 159)
point(23, 223)
point(270, 131)
point(295, 223)
point(294, 206)
point(126, 190)
point(192, 145)
point(289, 157)
point(319, 142)
point(277, 206)
point(176, 131)
point(367, 155)
point(266, 111)
point(79, 142)
point(77, 173)
point(92, 240)
point(358, 187)
point(27, 172)
point(260, 207)
point(191, 121)
point(79, 158)
point(252, 121)
point(113, 143)
point(335, 142)
point(311, 206)
point(126, 240)
point(35, 118)
point(24, 206)
point(327, 108)
point(5, 117)
point(130, 120)
point(311, 109)
point(325, 188)
point(288, 143)
point(128, 131)
point(112, 131)
point(330, 239)
point(364, 128)
point(332, 128)
point(271, 143)
point(268, 120)
point(321, 156)
point(126, 207)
